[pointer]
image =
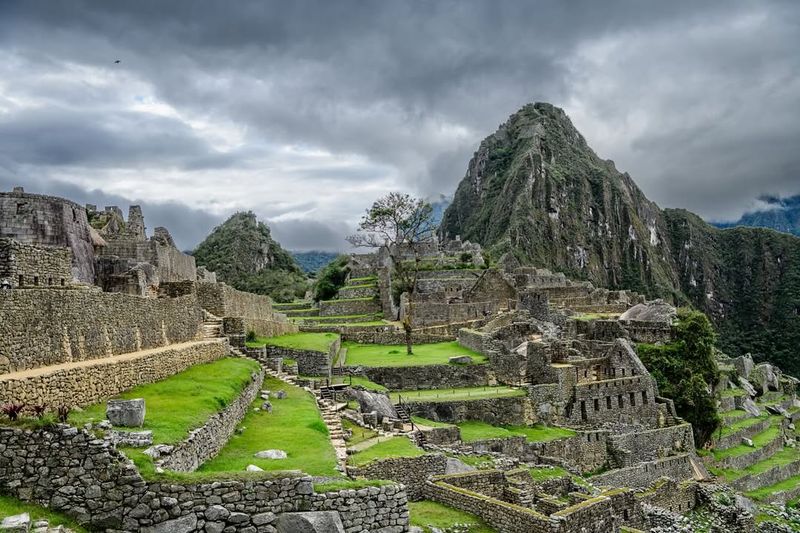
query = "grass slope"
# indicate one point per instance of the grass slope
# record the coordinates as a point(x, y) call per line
point(393, 447)
point(11, 506)
point(448, 395)
point(432, 516)
point(473, 430)
point(317, 342)
point(294, 426)
point(393, 355)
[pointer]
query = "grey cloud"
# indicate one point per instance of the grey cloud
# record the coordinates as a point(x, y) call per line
point(306, 235)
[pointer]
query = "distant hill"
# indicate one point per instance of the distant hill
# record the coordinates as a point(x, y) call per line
point(243, 254)
point(314, 260)
point(439, 204)
point(782, 214)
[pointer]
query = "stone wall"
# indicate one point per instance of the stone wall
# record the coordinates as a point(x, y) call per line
point(432, 313)
point(309, 362)
point(588, 450)
point(671, 495)
point(412, 472)
point(770, 477)
point(626, 400)
point(255, 310)
point(677, 467)
point(495, 411)
point(647, 445)
point(26, 265)
point(428, 377)
point(356, 306)
point(88, 480)
point(382, 335)
point(735, 438)
point(102, 379)
point(206, 441)
point(50, 221)
point(40, 327)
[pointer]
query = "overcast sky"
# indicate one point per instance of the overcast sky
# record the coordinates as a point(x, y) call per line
point(305, 112)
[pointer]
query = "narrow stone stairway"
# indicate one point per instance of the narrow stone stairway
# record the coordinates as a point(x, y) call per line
point(212, 326)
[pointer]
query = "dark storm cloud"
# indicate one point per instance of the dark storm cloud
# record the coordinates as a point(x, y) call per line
point(285, 103)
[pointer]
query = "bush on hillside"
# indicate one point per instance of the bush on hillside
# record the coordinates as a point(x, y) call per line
point(686, 371)
point(331, 278)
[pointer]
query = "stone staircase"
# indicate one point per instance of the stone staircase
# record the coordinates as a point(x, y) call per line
point(211, 327)
point(330, 415)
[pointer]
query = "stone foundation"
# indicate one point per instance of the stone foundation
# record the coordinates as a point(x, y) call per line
point(412, 472)
point(429, 377)
point(494, 411)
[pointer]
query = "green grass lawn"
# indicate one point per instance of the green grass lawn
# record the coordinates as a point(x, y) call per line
point(294, 426)
point(11, 506)
point(763, 492)
point(473, 430)
point(430, 423)
point(318, 342)
point(741, 424)
point(393, 447)
point(360, 434)
point(542, 473)
point(448, 395)
point(363, 382)
point(428, 514)
point(395, 355)
point(783, 457)
point(734, 413)
point(182, 402)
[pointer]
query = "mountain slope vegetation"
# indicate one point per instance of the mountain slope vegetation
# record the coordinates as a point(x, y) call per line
point(537, 190)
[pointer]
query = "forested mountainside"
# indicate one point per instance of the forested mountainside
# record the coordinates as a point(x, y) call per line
point(782, 214)
point(536, 189)
point(312, 261)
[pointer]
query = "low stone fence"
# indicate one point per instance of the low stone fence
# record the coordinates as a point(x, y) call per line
point(644, 474)
point(473, 339)
point(510, 446)
point(428, 377)
point(442, 435)
point(72, 472)
point(104, 378)
point(357, 306)
point(309, 362)
point(739, 462)
point(495, 411)
point(206, 441)
point(391, 336)
point(412, 472)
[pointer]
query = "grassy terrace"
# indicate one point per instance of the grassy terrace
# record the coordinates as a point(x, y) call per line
point(361, 318)
point(318, 342)
point(741, 424)
point(449, 395)
point(394, 355)
point(734, 413)
point(393, 447)
point(184, 401)
point(543, 473)
point(360, 434)
point(783, 457)
point(764, 492)
point(359, 281)
point(294, 426)
point(759, 441)
point(11, 506)
point(474, 430)
point(432, 516)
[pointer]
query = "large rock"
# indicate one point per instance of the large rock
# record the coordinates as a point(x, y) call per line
point(747, 387)
point(743, 365)
point(126, 413)
point(653, 311)
point(310, 522)
point(374, 401)
point(750, 407)
point(456, 466)
point(765, 377)
point(16, 523)
point(460, 360)
point(184, 524)
point(271, 454)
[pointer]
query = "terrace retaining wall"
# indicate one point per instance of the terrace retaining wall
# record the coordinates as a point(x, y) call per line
point(412, 472)
point(206, 441)
point(495, 411)
point(309, 362)
point(86, 385)
point(429, 376)
point(70, 471)
point(644, 474)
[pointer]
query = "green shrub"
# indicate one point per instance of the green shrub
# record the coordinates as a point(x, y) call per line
point(684, 371)
point(331, 278)
point(251, 336)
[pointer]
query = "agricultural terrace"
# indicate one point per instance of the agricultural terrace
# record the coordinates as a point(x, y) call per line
point(395, 355)
point(317, 342)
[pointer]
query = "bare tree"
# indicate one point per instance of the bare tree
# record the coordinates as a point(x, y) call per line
point(401, 224)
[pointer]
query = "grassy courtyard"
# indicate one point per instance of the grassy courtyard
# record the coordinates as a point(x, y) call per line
point(182, 402)
point(474, 430)
point(392, 447)
point(11, 506)
point(318, 342)
point(395, 355)
point(294, 426)
point(432, 516)
point(459, 394)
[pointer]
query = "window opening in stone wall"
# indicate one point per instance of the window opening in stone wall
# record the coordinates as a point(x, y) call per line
point(583, 410)
point(21, 280)
point(21, 207)
point(74, 215)
point(49, 281)
point(608, 402)
point(633, 400)
point(596, 404)
point(63, 282)
point(36, 280)
point(644, 396)
point(619, 400)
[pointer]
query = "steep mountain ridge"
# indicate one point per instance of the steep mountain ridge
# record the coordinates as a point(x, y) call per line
point(536, 189)
point(781, 214)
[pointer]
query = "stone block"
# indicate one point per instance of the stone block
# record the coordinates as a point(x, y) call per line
point(271, 454)
point(17, 523)
point(126, 413)
point(310, 522)
point(460, 360)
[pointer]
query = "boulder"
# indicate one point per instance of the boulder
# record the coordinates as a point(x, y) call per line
point(455, 466)
point(747, 387)
point(750, 407)
point(747, 442)
point(266, 406)
point(280, 394)
point(271, 454)
point(653, 311)
point(254, 468)
point(310, 522)
point(460, 360)
point(126, 413)
point(777, 410)
point(744, 365)
point(370, 401)
point(16, 523)
point(765, 377)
